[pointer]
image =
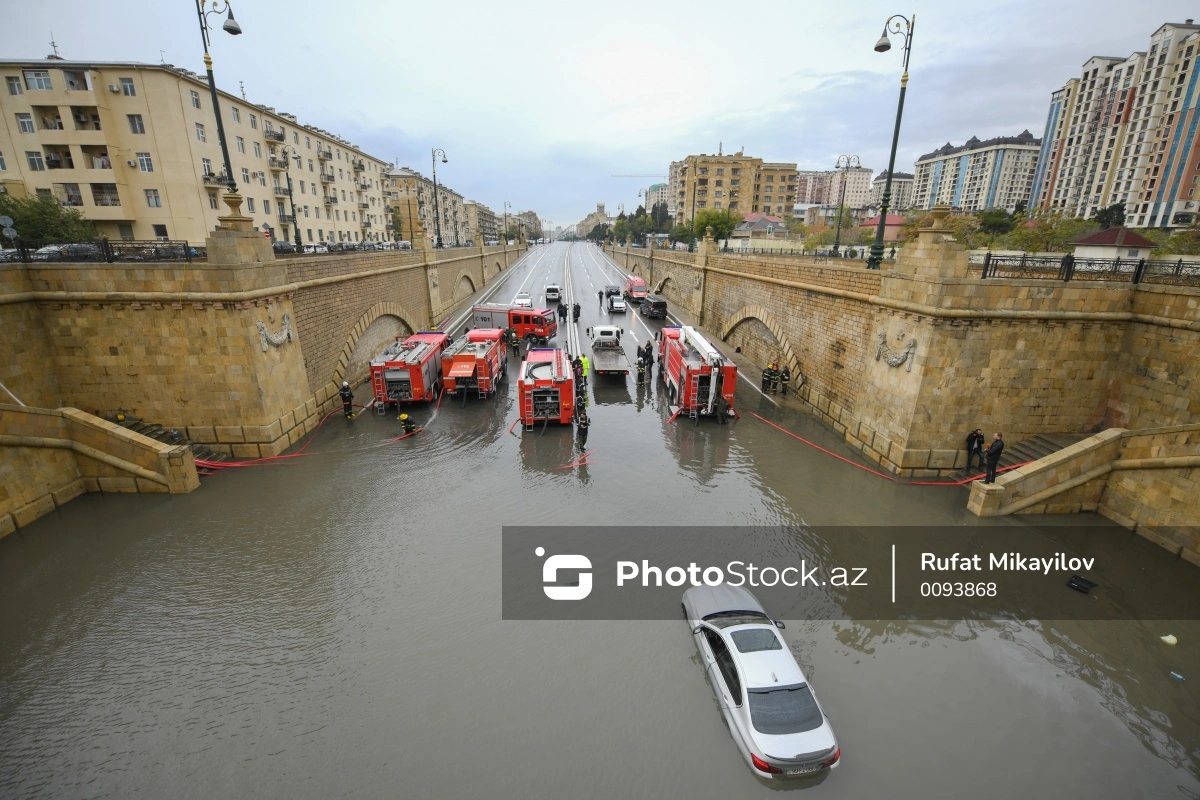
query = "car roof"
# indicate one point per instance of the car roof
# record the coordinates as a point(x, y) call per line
point(714, 599)
point(765, 668)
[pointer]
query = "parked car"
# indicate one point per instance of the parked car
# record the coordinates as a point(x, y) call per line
point(282, 247)
point(315, 248)
point(469, 243)
point(553, 293)
point(616, 304)
point(10, 254)
point(654, 306)
point(611, 290)
point(522, 300)
point(80, 251)
point(771, 711)
point(404, 245)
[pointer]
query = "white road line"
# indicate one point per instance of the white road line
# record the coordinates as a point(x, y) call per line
point(453, 326)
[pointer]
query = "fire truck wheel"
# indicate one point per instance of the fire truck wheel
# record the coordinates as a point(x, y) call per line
point(671, 394)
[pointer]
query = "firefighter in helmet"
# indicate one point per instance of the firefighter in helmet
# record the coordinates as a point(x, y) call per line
point(514, 342)
point(785, 377)
point(641, 366)
point(584, 422)
point(408, 425)
point(347, 399)
point(768, 378)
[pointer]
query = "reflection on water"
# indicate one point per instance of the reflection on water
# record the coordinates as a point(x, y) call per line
point(330, 626)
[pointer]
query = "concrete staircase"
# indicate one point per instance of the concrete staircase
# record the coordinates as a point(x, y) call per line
point(1030, 449)
point(165, 435)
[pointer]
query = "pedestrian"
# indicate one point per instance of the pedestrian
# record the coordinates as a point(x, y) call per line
point(584, 423)
point(785, 377)
point(975, 446)
point(767, 379)
point(584, 359)
point(600, 294)
point(575, 311)
point(992, 457)
point(347, 399)
point(408, 425)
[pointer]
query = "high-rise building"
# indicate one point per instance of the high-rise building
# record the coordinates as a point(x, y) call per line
point(1125, 131)
point(902, 188)
point(736, 182)
point(134, 148)
point(995, 173)
point(824, 187)
point(656, 193)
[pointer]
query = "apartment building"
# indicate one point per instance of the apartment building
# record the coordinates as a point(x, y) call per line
point(481, 222)
point(1125, 131)
point(824, 187)
point(409, 196)
point(134, 148)
point(736, 182)
point(657, 193)
point(529, 223)
point(978, 175)
point(902, 190)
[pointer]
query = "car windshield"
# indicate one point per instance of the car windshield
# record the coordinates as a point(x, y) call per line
point(755, 639)
point(726, 619)
point(788, 709)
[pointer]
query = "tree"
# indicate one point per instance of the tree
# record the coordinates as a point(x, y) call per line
point(43, 219)
point(1111, 216)
point(795, 226)
point(995, 222)
point(1047, 233)
point(818, 235)
point(598, 233)
point(1184, 242)
point(682, 233)
point(1019, 207)
point(661, 218)
point(723, 221)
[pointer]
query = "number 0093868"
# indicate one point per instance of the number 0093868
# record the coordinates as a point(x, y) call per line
point(948, 589)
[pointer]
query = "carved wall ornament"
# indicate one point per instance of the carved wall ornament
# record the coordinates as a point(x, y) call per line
point(894, 358)
point(275, 339)
point(433, 280)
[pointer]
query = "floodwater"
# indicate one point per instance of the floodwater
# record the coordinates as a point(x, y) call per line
point(330, 626)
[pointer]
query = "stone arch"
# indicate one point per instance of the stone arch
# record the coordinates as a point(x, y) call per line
point(499, 266)
point(762, 315)
point(662, 284)
point(464, 275)
point(367, 336)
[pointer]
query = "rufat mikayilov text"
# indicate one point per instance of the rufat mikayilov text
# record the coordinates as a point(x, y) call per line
point(739, 573)
point(1005, 562)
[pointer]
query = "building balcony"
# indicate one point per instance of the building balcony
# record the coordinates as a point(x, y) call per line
point(287, 219)
point(275, 136)
point(364, 205)
point(365, 223)
point(326, 177)
point(324, 155)
point(359, 165)
point(212, 179)
point(277, 163)
point(280, 190)
point(330, 199)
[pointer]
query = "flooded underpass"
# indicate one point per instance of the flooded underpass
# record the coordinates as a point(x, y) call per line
point(331, 625)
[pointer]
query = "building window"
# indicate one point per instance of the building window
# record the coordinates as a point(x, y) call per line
point(306, 212)
point(144, 162)
point(309, 232)
point(254, 122)
point(206, 166)
point(212, 200)
point(262, 178)
point(35, 160)
point(14, 85)
point(250, 204)
point(310, 168)
point(237, 114)
point(152, 198)
point(245, 175)
point(200, 132)
point(241, 145)
point(160, 231)
point(135, 123)
point(257, 150)
point(308, 142)
point(195, 99)
point(25, 123)
point(267, 207)
point(127, 87)
point(301, 187)
point(3, 168)
point(37, 79)
point(295, 138)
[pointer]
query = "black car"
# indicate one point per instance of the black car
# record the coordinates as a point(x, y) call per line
point(282, 247)
point(611, 290)
point(654, 306)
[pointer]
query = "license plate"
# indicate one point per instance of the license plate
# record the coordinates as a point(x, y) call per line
point(802, 770)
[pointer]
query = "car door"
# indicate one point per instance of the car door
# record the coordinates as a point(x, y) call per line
point(719, 662)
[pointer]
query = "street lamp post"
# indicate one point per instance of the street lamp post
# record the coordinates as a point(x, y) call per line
point(437, 215)
point(507, 206)
point(882, 46)
point(844, 163)
point(231, 27)
point(289, 152)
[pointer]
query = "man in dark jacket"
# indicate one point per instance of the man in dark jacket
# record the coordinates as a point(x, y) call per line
point(975, 447)
point(584, 423)
point(785, 377)
point(992, 458)
point(768, 379)
point(347, 399)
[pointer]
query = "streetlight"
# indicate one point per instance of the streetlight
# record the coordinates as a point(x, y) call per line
point(437, 215)
point(507, 206)
point(882, 46)
point(233, 29)
point(289, 152)
point(844, 163)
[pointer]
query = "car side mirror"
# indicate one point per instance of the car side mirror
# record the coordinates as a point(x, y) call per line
point(779, 624)
point(696, 630)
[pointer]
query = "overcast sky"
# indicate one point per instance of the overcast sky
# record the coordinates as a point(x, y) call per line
point(540, 103)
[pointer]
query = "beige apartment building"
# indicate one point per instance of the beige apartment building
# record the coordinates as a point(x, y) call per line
point(978, 175)
point(902, 189)
point(1125, 131)
point(736, 182)
point(411, 196)
point(481, 222)
point(134, 148)
point(824, 187)
point(657, 193)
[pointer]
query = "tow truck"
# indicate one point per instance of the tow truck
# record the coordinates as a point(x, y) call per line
point(608, 354)
point(476, 361)
point(699, 379)
point(538, 324)
point(411, 370)
point(546, 387)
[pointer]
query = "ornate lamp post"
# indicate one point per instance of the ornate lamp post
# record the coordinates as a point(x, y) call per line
point(289, 152)
point(844, 163)
point(507, 206)
point(437, 212)
point(233, 29)
point(903, 26)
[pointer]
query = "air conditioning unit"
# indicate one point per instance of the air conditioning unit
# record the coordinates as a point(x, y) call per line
point(130, 163)
point(112, 87)
point(81, 117)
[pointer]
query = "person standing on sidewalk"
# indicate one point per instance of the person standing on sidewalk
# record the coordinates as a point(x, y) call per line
point(785, 377)
point(584, 422)
point(992, 457)
point(975, 447)
point(347, 396)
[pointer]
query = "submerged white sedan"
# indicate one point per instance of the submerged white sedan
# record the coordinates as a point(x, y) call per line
point(771, 711)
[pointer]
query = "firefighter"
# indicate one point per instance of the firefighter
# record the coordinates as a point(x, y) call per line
point(580, 404)
point(767, 378)
point(641, 372)
point(584, 359)
point(347, 399)
point(774, 377)
point(408, 425)
point(785, 377)
point(584, 422)
point(514, 342)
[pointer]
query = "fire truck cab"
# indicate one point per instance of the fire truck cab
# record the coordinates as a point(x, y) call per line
point(476, 361)
point(538, 324)
point(546, 387)
point(635, 289)
point(699, 379)
point(410, 370)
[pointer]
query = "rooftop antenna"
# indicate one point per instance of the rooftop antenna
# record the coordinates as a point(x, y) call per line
point(54, 45)
point(242, 86)
point(720, 148)
point(162, 56)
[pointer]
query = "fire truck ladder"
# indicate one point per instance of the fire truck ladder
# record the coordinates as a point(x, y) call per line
point(693, 398)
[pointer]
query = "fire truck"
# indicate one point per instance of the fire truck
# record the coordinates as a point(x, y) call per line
point(410, 370)
point(539, 324)
point(699, 379)
point(635, 289)
point(476, 361)
point(546, 387)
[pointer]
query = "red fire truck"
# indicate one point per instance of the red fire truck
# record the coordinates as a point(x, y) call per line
point(409, 370)
point(539, 324)
point(546, 387)
point(699, 379)
point(635, 289)
point(476, 361)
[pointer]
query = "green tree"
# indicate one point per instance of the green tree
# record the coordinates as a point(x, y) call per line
point(995, 222)
point(661, 218)
point(723, 221)
point(42, 218)
point(795, 226)
point(1111, 216)
point(682, 233)
point(818, 235)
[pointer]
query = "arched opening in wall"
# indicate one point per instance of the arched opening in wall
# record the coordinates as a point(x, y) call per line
point(463, 287)
point(499, 266)
point(761, 338)
point(378, 335)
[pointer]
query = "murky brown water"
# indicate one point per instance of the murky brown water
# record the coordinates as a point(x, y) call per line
point(331, 627)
